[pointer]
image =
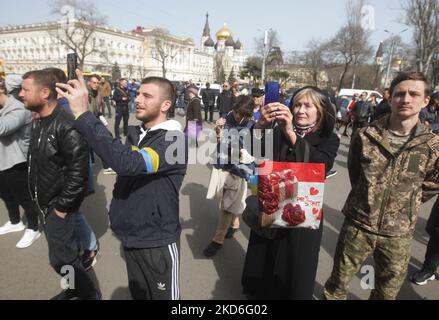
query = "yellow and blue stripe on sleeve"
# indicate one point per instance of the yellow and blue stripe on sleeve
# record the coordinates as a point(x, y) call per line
point(151, 158)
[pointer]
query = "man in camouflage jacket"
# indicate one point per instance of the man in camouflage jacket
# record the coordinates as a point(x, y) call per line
point(394, 168)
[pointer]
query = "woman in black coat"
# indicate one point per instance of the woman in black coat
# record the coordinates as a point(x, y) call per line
point(285, 267)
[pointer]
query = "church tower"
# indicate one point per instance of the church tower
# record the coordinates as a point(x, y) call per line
point(206, 40)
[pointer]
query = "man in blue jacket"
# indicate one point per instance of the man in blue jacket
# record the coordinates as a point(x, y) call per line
point(144, 212)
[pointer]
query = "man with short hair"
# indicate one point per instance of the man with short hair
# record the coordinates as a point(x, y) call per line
point(208, 97)
point(58, 170)
point(394, 168)
point(383, 107)
point(122, 99)
point(225, 100)
point(144, 212)
point(360, 113)
point(96, 102)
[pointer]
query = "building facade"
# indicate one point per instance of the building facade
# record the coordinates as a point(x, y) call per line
point(139, 53)
point(38, 46)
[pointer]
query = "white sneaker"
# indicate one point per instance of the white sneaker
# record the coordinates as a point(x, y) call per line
point(29, 237)
point(9, 228)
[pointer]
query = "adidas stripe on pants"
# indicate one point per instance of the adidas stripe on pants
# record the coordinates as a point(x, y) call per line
point(154, 274)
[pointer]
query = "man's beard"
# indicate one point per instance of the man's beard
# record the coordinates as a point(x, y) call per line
point(151, 116)
point(35, 107)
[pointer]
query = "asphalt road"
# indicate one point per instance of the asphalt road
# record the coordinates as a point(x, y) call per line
point(26, 274)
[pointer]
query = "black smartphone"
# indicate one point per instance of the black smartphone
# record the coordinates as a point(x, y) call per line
point(72, 65)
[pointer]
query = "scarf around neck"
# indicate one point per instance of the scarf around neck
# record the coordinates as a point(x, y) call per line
point(304, 131)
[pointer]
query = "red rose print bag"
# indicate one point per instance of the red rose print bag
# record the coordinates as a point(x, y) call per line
point(291, 194)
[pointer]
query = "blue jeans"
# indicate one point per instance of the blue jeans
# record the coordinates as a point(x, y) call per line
point(132, 105)
point(84, 234)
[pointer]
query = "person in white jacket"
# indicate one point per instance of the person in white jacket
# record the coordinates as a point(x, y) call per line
point(15, 129)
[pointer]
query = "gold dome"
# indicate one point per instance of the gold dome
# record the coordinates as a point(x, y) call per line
point(224, 33)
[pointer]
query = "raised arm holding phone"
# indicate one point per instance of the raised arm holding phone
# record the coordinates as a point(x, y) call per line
point(144, 213)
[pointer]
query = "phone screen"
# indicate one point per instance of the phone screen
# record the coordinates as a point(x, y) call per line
point(272, 89)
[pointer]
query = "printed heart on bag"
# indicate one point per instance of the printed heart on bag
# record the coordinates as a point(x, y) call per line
point(315, 211)
point(313, 191)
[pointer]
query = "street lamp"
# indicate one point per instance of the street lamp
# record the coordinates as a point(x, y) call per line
point(392, 48)
point(264, 56)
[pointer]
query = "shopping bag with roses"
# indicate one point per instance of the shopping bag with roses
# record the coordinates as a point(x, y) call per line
point(291, 194)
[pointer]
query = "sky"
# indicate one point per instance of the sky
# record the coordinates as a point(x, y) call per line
point(297, 22)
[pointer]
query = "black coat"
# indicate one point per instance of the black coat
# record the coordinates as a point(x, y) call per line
point(225, 101)
point(285, 268)
point(59, 163)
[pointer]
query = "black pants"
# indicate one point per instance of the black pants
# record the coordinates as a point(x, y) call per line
point(432, 256)
point(153, 274)
point(64, 252)
point(284, 268)
point(121, 112)
point(208, 110)
point(14, 191)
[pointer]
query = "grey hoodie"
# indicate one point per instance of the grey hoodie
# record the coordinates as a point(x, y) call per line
point(15, 130)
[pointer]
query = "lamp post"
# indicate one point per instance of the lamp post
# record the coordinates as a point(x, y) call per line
point(392, 48)
point(264, 57)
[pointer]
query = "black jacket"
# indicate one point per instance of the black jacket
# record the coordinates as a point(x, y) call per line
point(208, 97)
point(225, 101)
point(119, 94)
point(58, 164)
point(381, 110)
point(144, 212)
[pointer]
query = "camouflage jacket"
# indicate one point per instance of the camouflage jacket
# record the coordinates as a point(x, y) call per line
point(388, 188)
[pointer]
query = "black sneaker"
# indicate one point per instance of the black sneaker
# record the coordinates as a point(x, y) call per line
point(422, 276)
point(66, 295)
point(212, 249)
point(230, 233)
point(89, 259)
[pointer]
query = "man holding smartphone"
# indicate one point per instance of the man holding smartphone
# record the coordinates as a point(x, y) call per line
point(144, 211)
point(58, 171)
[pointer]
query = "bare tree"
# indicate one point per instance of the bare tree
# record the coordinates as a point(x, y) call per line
point(315, 61)
point(273, 41)
point(350, 46)
point(423, 16)
point(296, 57)
point(163, 52)
point(130, 69)
point(80, 21)
point(275, 58)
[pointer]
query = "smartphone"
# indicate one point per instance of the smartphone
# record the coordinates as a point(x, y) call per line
point(272, 90)
point(72, 65)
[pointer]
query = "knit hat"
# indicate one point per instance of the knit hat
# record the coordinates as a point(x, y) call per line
point(13, 82)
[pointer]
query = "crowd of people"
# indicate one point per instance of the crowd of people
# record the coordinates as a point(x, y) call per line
point(51, 128)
